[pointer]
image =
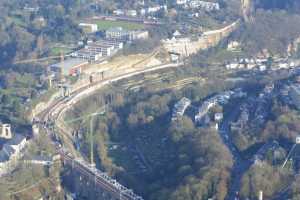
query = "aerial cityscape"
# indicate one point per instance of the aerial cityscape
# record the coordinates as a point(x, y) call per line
point(150, 100)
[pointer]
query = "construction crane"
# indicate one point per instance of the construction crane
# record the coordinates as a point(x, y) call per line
point(291, 151)
point(85, 118)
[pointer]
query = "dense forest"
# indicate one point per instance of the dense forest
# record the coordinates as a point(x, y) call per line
point(282, 125)
point(264, 32)
point(181, 161)
point(26, 34)
point(27, 31)
point(135, 140)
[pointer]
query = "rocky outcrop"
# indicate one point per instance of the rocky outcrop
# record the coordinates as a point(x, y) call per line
point(247, 9)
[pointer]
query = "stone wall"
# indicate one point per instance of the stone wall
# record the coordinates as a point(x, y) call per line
point(187, 47)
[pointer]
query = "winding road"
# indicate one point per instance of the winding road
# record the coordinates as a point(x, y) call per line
point(240, 165)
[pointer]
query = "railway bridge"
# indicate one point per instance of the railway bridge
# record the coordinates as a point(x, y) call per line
point(49, 117)
point(96, 184)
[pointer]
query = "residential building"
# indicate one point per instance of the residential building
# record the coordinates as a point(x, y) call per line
point(69, 67)
point(177, 34)
point(40, 21)
point(216, 126)
point(31, 9)
point(18, 143)
point(233, 46)
point(141, 2)
point(183, 46)
point(143, 12)
point(180, 108)
point(204, 108)
point(120, 34)
point(207, 6)
point(218, 116)
point(139, 35)
point(117, 33)
point(118, 12)
point(221, 99)
point(175, 57)
point(181, 2)
point(105, 49)
point(297, 140)
point(294, 93)
point(262, 68)
point(283, 65)
point(232, 66)
point(11, 152)
point(154, 9)
point(89, 28)
point(86, 54)
point(5, 131)
point(95, 51)
point(131, 13)
point(115, 43)
point(7, 160)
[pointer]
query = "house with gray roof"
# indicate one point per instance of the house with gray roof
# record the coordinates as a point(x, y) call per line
point(10, 153)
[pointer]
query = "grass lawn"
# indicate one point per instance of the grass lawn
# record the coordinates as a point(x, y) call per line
point(17, 20)
point(104, 25)
point(56, 51)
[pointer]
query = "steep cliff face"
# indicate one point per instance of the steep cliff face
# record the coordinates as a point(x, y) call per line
point(292, 5)
point(246, 9)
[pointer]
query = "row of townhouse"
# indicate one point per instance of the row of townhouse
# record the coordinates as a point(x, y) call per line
point(123, 35)
point(219, 99)
point(141, 12)
point(194, 4)
point(259, 63)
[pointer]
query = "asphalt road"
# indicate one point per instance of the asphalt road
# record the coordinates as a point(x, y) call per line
point(240, 165)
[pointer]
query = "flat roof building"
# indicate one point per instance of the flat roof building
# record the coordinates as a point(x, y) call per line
point(89, 28)
point(115, 43)
point(117, 33)
point(105, 49)
point(94, 51)
point(120, 34)
point(86, 54)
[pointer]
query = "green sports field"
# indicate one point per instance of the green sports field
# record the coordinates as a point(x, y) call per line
point(105, 24)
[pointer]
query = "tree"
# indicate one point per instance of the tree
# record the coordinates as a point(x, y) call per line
point(183, 126)
point(6, 99)
point(258, 178)
point(132, 120)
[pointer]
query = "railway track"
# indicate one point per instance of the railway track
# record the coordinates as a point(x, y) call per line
point(53, 113)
